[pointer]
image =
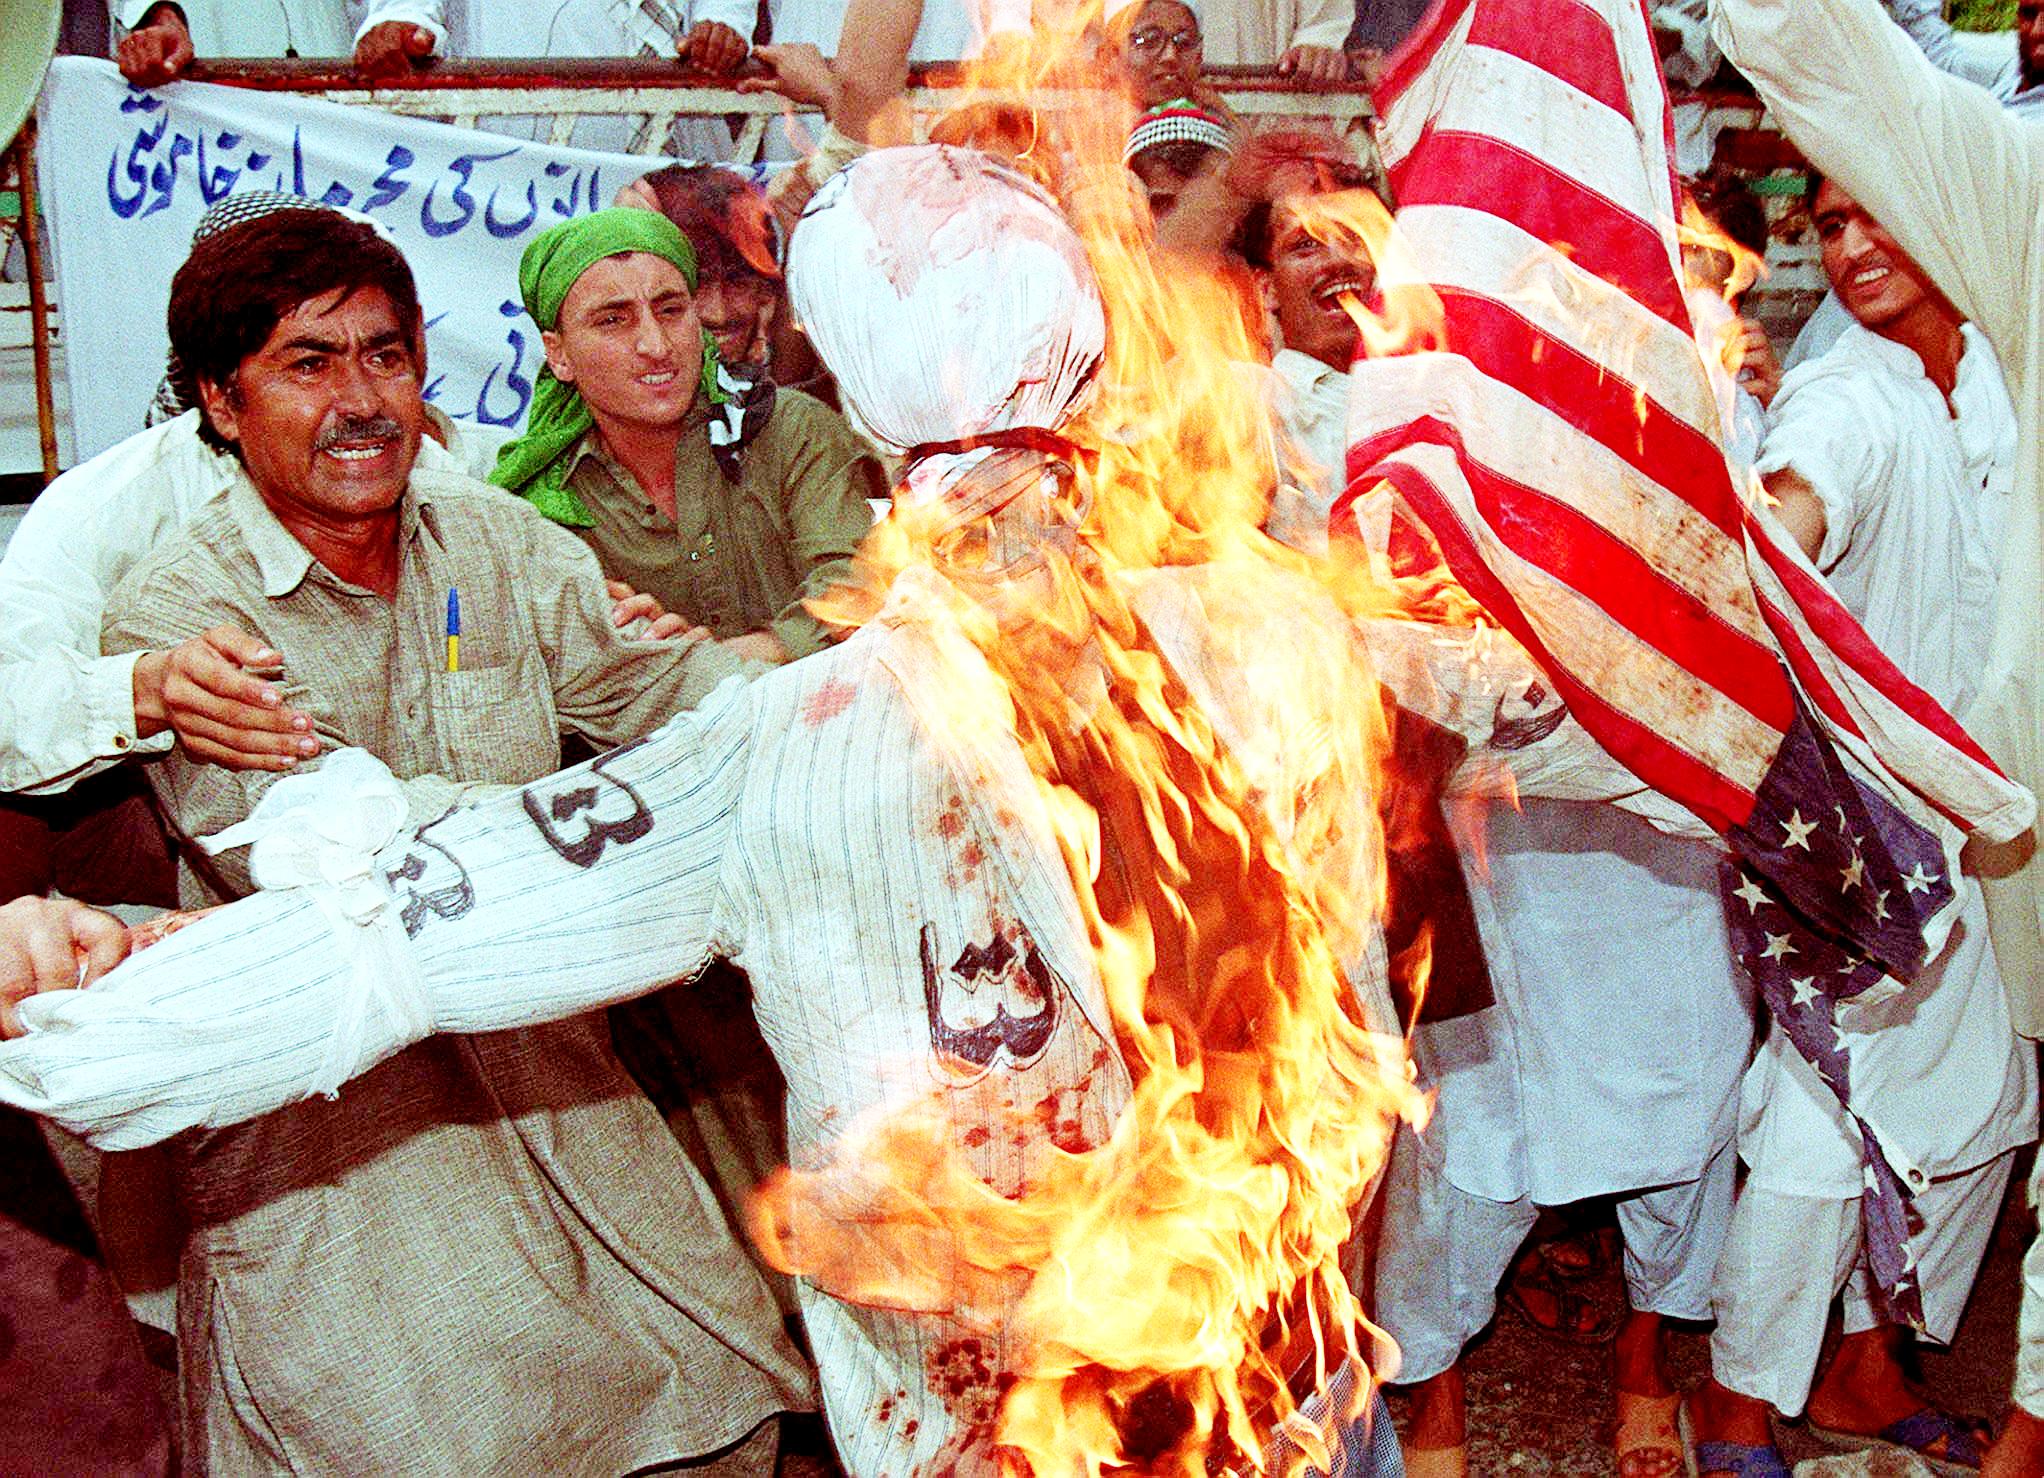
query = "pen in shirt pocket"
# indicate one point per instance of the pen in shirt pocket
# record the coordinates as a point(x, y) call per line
point(453, 629)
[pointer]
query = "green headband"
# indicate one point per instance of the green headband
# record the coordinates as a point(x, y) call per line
point(535, 465)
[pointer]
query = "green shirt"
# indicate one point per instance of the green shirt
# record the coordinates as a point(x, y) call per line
point(739, 556)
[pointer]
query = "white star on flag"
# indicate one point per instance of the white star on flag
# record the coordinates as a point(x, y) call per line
point(1778, 948)
point(1750, 890)
point(1797, 831)
point(1881, 907)
point(1854, 871)
point(1919, 881)
point(1805, 988)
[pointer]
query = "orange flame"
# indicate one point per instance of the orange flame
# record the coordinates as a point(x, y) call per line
point(1168, 1290)
point(1712, 259)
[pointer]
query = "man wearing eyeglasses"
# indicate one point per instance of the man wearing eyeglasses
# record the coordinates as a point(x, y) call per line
point(1161, 44)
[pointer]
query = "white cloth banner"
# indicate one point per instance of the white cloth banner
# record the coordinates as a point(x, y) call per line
point(127, 173)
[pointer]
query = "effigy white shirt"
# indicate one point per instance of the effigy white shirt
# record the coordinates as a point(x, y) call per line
point(859, 831)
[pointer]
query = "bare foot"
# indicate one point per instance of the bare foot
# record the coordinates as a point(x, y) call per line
point(1438, 1411)
point(1638, 1354)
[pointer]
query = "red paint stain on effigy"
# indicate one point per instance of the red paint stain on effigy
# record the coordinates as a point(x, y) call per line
point(827, 702)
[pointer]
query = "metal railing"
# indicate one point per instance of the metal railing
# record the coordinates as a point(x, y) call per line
point(653, 93)
point(658, 95)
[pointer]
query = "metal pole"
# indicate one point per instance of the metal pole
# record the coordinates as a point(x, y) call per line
point(38, 300)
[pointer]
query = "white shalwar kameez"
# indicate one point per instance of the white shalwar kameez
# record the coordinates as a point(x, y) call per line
point(1609, 1065)
point(1914, 497)
point(1309, 408)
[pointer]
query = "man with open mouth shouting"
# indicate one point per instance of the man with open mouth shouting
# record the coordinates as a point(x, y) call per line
point(464, 1205)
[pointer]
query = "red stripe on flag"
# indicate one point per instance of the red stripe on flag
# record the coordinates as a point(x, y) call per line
point(1816, 686)
point(1826, 697)
point(1477, 172)
point(1569, 41)
point(1838, 629)
point(1640, 748)
point(1611, 411)
point(1610, 574)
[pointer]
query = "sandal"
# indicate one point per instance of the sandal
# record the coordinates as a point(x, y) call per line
point(1647, 1444)
point(1739, 1459)
point(1965, 1440)
point(1570, 1304)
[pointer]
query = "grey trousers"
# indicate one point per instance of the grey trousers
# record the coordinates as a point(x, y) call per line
point(1444, 1251)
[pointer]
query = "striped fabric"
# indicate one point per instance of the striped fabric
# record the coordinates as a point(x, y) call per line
point(1558, 450)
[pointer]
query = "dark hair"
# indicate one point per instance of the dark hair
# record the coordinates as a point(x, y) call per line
point(1730, 204)
point(1183, 157)
point(237, 286)
point(1259, 229)
point(725, 217)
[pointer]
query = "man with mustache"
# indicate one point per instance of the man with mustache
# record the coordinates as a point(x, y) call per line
point(465, 1206)
point(1893, 459)
point(1312, 274)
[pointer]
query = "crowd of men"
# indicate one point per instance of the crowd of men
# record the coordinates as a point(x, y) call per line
point(521, 1248)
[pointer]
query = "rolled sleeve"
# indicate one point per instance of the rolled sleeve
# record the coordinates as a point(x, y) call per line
point(1820, 431)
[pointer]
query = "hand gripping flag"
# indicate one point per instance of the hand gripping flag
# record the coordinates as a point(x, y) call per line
point(1556, 447)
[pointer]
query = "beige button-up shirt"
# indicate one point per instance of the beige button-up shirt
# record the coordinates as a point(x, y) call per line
point(539, 655)
point(488, 1255)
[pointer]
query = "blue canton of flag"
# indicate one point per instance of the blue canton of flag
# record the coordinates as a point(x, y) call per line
point(1879, 878)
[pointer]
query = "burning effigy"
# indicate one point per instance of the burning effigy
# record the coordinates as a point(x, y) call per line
point(1057, 882)
point(1060, 878)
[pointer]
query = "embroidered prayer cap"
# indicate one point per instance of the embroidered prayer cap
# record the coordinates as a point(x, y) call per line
point(536, 463)
point(1180, 121)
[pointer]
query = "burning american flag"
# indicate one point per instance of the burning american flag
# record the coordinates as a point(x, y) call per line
point(1556, 447)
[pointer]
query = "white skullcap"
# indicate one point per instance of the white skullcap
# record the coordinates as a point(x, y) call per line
point(948, 297)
